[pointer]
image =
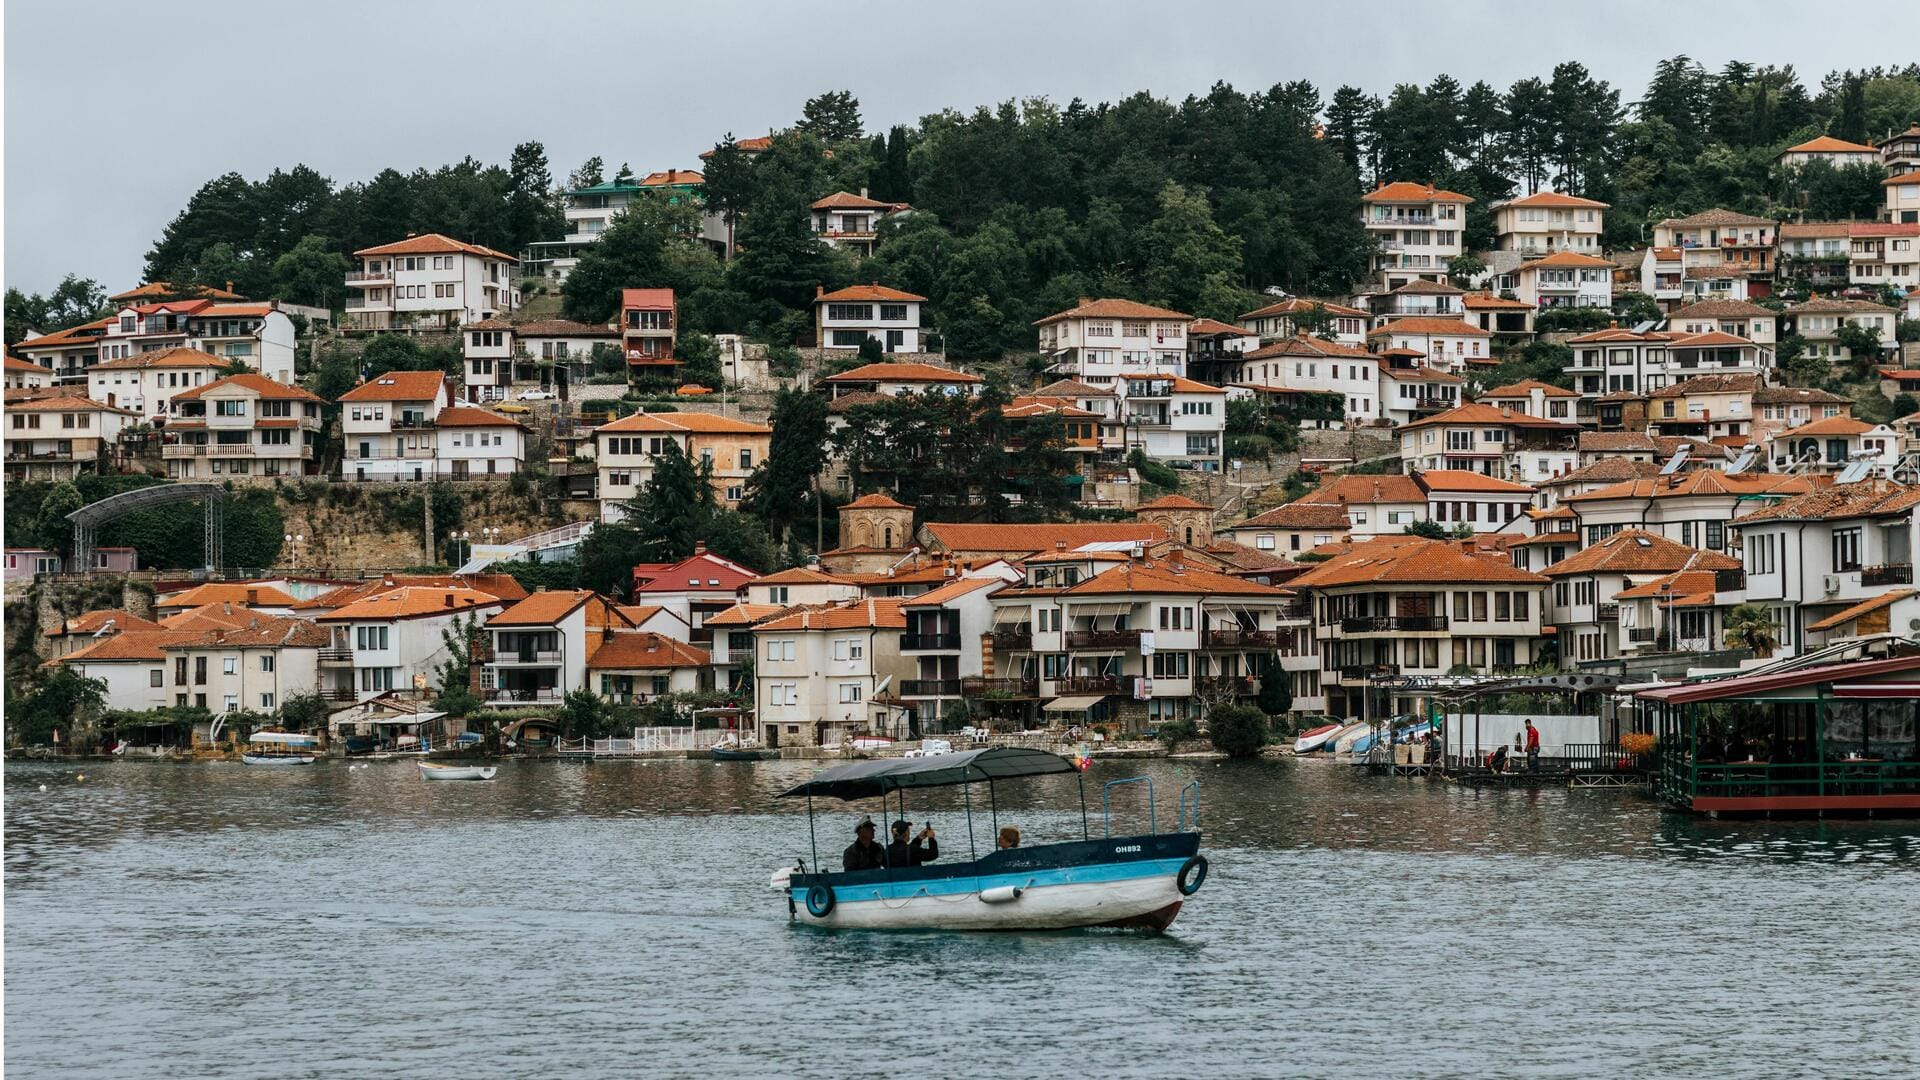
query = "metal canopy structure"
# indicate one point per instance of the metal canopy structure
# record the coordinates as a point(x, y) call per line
point(1566, 683)
point(91, 516)
point(866, 779)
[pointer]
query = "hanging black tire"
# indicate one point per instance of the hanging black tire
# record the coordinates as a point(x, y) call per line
point(820, 901)
point(1192, 874)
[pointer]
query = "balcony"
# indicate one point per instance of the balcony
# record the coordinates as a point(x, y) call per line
point(1226, 684)
point(1386, 624)
point(43, 455)
point(1362, 672)
point(1642, 635)
point(1294, 609)
point(527, 656)
point(1888, 574)
point(980, 686)
point(231, 450)
point(368, 277)
point(1103, 639)
point(1607, 612)
point(501, 695)
point(1399, 219)
point(930, 688)
point(926, 642)
point(1729, 580)
point(1238, 638)
point(336, 655)
point(1092, 684)
point(336, 693)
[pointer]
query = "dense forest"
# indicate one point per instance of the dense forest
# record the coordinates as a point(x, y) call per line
point(1199, 204)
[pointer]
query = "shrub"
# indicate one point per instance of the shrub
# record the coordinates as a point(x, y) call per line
point(1175, 732)
point(1237, 730)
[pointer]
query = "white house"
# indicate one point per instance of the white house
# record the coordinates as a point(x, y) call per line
point(1097, 341)
point(146, 382)
point(821, 673)
point(22, 375)
point(259, 336)
point(253, 662)
point(242, 425)
point(474, 444)
point(59, 437)
point(1295, 315)
point(1446, 344)
point(1565, 279)
point(1549, 221)
point(1832, 444)
point(385, 641)
point(1313, 365)
point(1903, 198)
point(1839, 153)
point(852, 222)
point(845, 318)
point(387, 425)
point(1174, 418)
point(1819, 320)
point(625, 449)
point(1417, 230)
point(538, 648)
point(429, 282)
point(1817, 556)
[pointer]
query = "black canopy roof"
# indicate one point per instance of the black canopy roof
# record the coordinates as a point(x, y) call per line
point(866, 779)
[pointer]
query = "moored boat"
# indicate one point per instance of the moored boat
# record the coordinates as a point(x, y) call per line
point(279, 748)
point(1309, 741)
point(1138, 881)
point(432, 771)
point(1342, 741)
point(740, 753)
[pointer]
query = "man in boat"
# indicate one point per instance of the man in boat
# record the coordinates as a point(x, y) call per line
point(863, 853)
point(924, 848)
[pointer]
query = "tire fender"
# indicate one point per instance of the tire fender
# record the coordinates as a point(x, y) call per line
point(820, 901)
point(1193, 873)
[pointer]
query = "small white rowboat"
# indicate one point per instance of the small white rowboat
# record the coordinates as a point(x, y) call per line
point(430, 771)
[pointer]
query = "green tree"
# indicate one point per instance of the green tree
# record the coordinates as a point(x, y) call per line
point(584, 716)
point(647, 245)
point(699, 359)
point(1238, 731)
point(311, 273)
point(780, 490)
point(607, 557)
point(456, 697)
point(728, 186)
point(531, 212)
point(1184, 250)
point(74, 301)
point(1751, 626)
point(833, 116)
point(671, 510)
point(591, 173)
point(51, 528)
point(1276, 691)
point(302, 712)
point(61, 698)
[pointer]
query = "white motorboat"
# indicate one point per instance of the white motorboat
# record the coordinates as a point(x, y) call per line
point(279, 748)
point(1342, 743)
point(431, 771)
point(1314, 739)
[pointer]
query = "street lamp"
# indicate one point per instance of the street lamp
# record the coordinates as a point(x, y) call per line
point(463, 537)
point(294, 540)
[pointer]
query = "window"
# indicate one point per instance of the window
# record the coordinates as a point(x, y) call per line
point(266, 701)
point(230, 665)
point(850, 312)
point(777, 594)
point(893, 313)
point(1846, 549)
point(155, 677)
point(746, 460)
point(266, 662)
point(850, 693)
point(780, 649)
point(1172, 665)
point(232, 702)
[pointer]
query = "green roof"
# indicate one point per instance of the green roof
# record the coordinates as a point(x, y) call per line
point(608, 188)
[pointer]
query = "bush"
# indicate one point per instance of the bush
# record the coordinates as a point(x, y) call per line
point(1175, 732)
point(1237, 730)
point(1153, 472)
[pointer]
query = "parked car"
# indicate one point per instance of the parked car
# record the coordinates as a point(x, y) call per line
point(509, 407)
point(537, 395)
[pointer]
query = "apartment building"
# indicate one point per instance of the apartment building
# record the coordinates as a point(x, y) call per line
point(1132, 643)
point(1491, 441)
point(242, 425)
point(1305, 364)
point(24, 376)
point(430, 282)
point(1173, 419)
point(146, 382)
point(59, 437)
point(387, 426)
point(1721, 238)
point(636, 667)
point(649, 331)
point(1531, 397)
point(1692, 509)
point(1584, 606)
point(943, 639)
point(259, 336)
point(1416, 229)
point(1825, 552)
point(1419, 299)
point(255, 664)
point(1884, 255)
point(852, 222)
point(1903, 197)
point(385, 640)
point(625, 451)
point(1819, 320)
point(1408, 607)
point(1562, 279)
point(823, 675)
point(1498, 315)
point(1293, 528)
point(1829, 446)
point(1549, 221)
point(1735, 317)
point(537, 649)
point(846, 318)
point(67, 353)
point(1097, 341)
point(500, 354)
point(1639, 362)
point(1301, 315)
point(1838, 153)
point(1448, 344)
point(1819, 252)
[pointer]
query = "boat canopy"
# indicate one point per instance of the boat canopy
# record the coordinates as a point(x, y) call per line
point(282, 738)
point(866, 779)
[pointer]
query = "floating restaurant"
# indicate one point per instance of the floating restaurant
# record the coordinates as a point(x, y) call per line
point(1831, 732)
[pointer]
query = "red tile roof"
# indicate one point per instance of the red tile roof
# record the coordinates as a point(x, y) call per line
point(1566, 259)
point(644, 650)
point(1165, 576)
point(399, 386)
point(1299, 304)
point(1114, 309)
point(847, 200)
point(434, 244)
point(1391, 560)
point(1312, 347)
point(1556, 199)
point(875, 614)
point(1525, 388)
point(1408, 191)
point(259, 384)
point(646, 299)
point(1864, 607)
point(466, 416)
point(548, 608)
point(875, 500)
point(705, 572)
point(1299, 515)
point(872, 292)
point(93, 622)
point(1426, 325)
point(1462, 480)
point(1366, 490)
point(1868, 498)
point(14, 363)
point(182, 358)
point(1488, 414)
point(1704, 482)
point(953, 590)
point(229, 592)
point(412, 602)
point(684, 423)
point(1174, 502)
point(1637, 551)
point(1035, 538)
point(1827, 144)
point(896, 372)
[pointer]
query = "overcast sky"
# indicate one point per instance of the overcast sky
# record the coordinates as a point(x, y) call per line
point(117, 112)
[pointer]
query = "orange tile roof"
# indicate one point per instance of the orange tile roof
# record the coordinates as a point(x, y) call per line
point(684, 423)
point(752, 145)
point(465, 416)
point(953, 590)
point(94, 621)
point(1827, 144)
point(646, 299)
point(1181, 384)
point(1556, 199)
point(1525, 388)
point(1703, 482)
point(1832, 425)
point(801, 575)
point(892, 372)
point(84, 334)
point(1366, 490)
point(1392, 561)
point(672, 176)
point(1296, 304)
point(1408, 191)
point(1462, 480)
point(1166, 577)
point(1174, 502)
point(1487, 414)
point(847, 200)
point(14, 363)
point(1214, 327)
point(1847, 615)
point(645, 650)
point(229, 592)
point(132, 645)
point(157, 289)
point(874, 291)
point(182, 357)
point(1637, 551)
point(1114, 309)
point(878, 614)
point(236, 311)
point(1299, 515)
point(1565, 258)
point(63, 402)
point(399, 386)
point(434, 244)
point(1490, 302)
point(208, 615)
point(1610, 470)
point(745, 614)
point(1868, 498)
point(259, 384)
point(875, 500)
point(1308, 346)
point(255, 631)
point(1035, 538)
point(413, 602)
point(1683, 587)
point(1427, 325)
point(545, 608)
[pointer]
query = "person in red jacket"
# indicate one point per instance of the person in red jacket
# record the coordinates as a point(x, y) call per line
point(1533, 747)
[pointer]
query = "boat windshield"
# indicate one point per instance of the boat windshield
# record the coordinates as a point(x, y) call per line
point(866, 779)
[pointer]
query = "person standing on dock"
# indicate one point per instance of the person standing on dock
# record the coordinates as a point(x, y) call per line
point(1533, 747)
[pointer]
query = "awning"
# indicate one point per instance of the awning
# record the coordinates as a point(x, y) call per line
point(1077, 703)
point(285, 739)
point(865, 779)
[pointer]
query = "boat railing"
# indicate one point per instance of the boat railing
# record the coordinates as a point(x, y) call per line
point(1106, 803)
point(1183, 825)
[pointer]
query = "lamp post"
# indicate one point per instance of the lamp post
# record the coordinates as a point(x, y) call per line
point(293, 542)
point(465, 536)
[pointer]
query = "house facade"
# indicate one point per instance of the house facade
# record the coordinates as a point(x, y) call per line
point(1097, 341)
point(430, 282)
point(1417, 231)
point(845, 318)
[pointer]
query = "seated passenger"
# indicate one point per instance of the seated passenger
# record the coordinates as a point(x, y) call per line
point(924, 848)
point(1009, 838)
point(863, 853)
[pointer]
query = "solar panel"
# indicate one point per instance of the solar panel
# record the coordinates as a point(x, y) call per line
point(1642, 328)
point(1743, 462)
point(1678, 459)
point(1855, 472)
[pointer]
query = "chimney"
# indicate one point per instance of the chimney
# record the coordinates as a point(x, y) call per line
point(253, 596)
point(699, 547)
point(229, 284)
point(819, 291)
point(863, 192)
point(448, 596)
point(1059, 545)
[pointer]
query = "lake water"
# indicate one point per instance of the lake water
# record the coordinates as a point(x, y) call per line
point(614, 920)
